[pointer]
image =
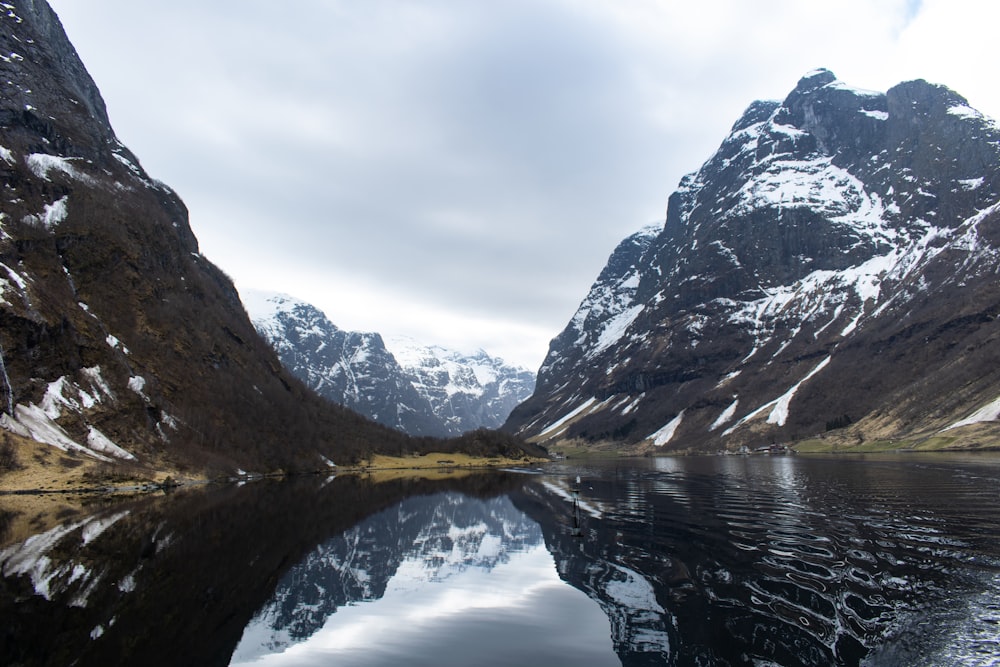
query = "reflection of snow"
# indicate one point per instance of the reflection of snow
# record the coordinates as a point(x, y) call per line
point(471, 583)
point(633, 592)
point(641, 618)
point(586, 506)
point(476, 612)
point(48, 576)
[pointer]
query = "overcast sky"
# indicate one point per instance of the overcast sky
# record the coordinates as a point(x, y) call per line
point(459, 171)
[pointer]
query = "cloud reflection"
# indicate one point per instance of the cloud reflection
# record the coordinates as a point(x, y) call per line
point(446, 608)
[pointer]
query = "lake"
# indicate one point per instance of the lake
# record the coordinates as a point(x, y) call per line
point(737, 560)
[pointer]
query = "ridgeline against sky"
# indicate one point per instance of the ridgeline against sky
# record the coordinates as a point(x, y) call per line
point(459, 172)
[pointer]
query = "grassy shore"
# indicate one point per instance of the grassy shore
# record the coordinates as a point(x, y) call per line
point(432, 465)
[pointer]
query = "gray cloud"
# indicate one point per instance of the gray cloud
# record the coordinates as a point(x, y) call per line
point(456, 171)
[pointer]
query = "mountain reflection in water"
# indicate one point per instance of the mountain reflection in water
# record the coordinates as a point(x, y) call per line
point(443, 579)
point(677, 561)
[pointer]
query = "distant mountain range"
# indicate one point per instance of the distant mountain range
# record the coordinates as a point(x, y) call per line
point(418, 389)
point(831, 272)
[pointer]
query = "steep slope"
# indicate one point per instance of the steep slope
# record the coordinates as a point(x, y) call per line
point(119, 340)
point(417, 389)
point(465, 391)
point(834, 262)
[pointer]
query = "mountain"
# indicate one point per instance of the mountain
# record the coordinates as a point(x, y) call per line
point(465, 391)
point(422, 541)
point(831, 272)
point(352, 369)
point(119, 341)
point(417, 389)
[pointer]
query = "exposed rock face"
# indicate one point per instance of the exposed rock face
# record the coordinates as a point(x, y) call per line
point(350, 368)
point(834, 262)
point(465, 391)
point(417, 389)
point(119, 340)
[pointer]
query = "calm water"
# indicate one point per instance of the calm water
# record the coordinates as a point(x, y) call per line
point(674, 561)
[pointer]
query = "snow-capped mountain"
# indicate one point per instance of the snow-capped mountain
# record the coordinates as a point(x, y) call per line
point(421, 541)
point(417, 389)
point(465, 391)
point(834, 263)
point(352, 369)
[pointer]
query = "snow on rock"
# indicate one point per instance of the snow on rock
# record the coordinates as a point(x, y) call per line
point(726, 415)
point(101, 443)
point(988, 413)
point(44, 429)
point(779, 414)
point(42, 164)
point(137, 383)
point(779, 406)
point(13, 283)
point(665, 434)
point(54, 213)
point(566, 418)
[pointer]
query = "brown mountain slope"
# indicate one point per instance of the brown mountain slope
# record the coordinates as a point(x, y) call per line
point(120, 342)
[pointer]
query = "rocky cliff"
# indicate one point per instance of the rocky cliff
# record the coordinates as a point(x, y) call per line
point(465, 391)
point(831, 269)
point(119, 341)
point(417, 389)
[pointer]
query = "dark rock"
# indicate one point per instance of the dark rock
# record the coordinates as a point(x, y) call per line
point(836, 256)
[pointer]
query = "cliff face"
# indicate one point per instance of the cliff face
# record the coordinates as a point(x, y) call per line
point(465, 391)
point(349, 368)
point(119, 340)
point(833, 264)
point(417, 389)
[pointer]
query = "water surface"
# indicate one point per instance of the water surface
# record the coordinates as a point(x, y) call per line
point(671, 561)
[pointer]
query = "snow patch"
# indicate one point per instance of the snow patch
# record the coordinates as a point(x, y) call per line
point(877, 115)
point(779, 406)
point(42, 164)
point(726, 415)
point(664, 435)
point(55, 212)
point(102, 443)
point(779, 415)
point(137, 383)
point(43, 429)
point(988, 413)
point(971, 183)
point(573, 413)
point(964, 111)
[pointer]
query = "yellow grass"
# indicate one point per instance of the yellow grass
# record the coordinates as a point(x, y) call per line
point(44, 468)
point(433, 465)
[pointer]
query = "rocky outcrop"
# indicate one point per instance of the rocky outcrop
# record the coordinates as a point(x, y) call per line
point(833, 263)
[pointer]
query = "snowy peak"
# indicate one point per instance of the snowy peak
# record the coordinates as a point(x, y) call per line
point(415, 388)
point(466, 391)
point(349, 368)
point(821, 223)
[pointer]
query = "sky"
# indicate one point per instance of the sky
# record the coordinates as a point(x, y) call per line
point(459, 171)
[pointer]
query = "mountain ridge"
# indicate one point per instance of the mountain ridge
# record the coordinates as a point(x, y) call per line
point(826, 232)
point(421, 390)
